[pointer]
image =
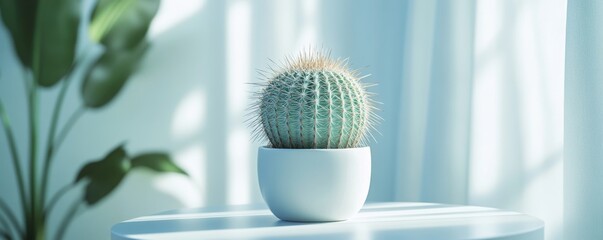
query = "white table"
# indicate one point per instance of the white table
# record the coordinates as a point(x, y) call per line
point(415, 221)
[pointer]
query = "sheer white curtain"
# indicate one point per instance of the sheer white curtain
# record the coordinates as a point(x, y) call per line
point(481, 106)
point(584, 121)
point(472, 94)
point(435, 102)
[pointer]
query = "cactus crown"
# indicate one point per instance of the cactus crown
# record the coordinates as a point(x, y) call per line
point(313, 101)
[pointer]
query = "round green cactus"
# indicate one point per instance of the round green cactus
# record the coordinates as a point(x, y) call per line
point(314, 102)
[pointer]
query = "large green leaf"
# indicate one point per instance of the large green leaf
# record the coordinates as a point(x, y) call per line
point(55, 39)
point(122, 24)
point(104, 175)
point(159, 162)
point(108, 75)
point(19, 17)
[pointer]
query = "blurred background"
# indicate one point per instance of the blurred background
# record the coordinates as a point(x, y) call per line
point(472, 95)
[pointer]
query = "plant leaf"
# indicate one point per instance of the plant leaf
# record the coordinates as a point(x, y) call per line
point(159, 162)
point(122, 24)
point(19, 17)
point(104, 175)
point(107, 76)
point(55, 39)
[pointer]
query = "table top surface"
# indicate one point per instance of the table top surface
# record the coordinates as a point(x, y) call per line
point(390, 220)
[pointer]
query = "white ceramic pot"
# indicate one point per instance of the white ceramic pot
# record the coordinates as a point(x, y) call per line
point(314, 185)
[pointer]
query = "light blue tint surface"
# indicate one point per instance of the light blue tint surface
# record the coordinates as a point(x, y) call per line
point(417, 221)
point(472, 98)
point(584, 121)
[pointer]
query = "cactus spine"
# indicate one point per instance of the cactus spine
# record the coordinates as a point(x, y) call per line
point(314, 102)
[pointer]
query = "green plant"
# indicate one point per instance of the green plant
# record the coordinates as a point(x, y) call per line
point(314, 102)
point(45, 35)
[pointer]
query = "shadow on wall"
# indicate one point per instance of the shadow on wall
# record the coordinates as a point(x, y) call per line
point(176, 101)
point(182, 100)
point(188, 66)
point(514, 104)
point(517, 123)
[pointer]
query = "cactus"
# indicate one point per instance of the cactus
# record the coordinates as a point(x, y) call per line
point(314, 101)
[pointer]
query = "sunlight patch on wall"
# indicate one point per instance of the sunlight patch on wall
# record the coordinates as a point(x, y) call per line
point(189, 115)
point(486, 134)
point(540, 41)
point(238, 48)
point(517, 123)
point(238, 55)
point(284, 24)
point(488, 27)
point(308, 35)
point(239, 168)
point(173, 12)
point(190, 191)
point(530, 92)
point(487, 124)
point(187, 122)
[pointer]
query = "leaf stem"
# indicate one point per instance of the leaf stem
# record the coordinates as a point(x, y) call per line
point(68, 126)
point(11, 217)
point(15, 156)
point(51, 146)
point(50, 143)
point(33, 152)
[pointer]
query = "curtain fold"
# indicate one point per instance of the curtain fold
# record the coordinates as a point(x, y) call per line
point(481, 106)
point(472, 94)
point(446, 158)
point(435, 102)
point(584, 121)
point(413, 98)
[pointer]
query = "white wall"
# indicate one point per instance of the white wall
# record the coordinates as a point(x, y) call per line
point(190, 95)
point(517, 121)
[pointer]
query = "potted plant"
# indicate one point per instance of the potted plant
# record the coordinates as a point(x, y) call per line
point(45, 35)
point(316, 115)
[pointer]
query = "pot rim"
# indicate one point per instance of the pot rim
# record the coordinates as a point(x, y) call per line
point(266, 148)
